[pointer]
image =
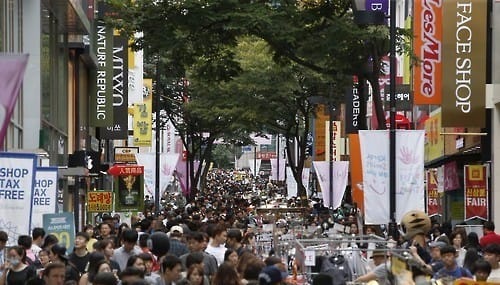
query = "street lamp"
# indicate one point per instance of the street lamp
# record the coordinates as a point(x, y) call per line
point(375, 16)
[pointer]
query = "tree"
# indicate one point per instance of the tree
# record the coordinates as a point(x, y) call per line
point(197, 40)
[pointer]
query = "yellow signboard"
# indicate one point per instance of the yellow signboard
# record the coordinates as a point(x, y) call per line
point(100, 201)
point(143, 116)
point(434, 143)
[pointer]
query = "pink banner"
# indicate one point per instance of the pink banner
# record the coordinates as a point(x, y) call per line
point(11, 77)
point(451, 181)
point(181, 170)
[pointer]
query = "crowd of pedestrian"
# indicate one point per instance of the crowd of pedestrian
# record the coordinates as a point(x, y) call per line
point(211, 240)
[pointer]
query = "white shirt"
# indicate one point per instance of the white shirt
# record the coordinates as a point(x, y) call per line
point(218, 252)
point(494, 275)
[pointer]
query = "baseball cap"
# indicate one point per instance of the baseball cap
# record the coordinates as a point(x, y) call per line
point(176, 229)
point(270, 275)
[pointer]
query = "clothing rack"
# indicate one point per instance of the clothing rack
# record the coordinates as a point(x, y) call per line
point(307, 251)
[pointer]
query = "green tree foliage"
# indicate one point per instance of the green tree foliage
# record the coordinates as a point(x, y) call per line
point(250, 65)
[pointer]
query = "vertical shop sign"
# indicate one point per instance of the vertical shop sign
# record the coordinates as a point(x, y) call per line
point(428, 48)
point(464, 63)
point(101, 103)
point(476, 192)
point(118, 129)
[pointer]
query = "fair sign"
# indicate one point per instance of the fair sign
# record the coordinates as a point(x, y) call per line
point(17, 178)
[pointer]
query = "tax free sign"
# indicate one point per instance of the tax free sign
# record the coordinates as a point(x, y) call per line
point(17, 178)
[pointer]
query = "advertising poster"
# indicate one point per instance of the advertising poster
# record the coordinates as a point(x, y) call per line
point(61, 225)
point(475, 192)
point(44, 194)
point(129, 188)
point(17, 179)
point(433, 199)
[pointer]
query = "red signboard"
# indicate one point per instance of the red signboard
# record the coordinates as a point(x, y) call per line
point(266, 155)
point(475, 192)
point(433, 198)
point(125, 169)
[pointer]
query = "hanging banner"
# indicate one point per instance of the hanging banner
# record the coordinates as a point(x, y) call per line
point(376, 169)
point(451, 181)
point(11, 79)
point(169, 138)
point(428, 47)
point(274, 169)
point(475, 192)
point(292, 184)
point(464, 65)
point(254, 165)
point(143, 116)
point(167, 168)
point(100, 201)
point(182, 169)
point(356, 171)
point(62, 226)
point(340, 172)
point(336, 140)
point(433, 198)
point(434, 144)
point(17, 179)
point(44, 194)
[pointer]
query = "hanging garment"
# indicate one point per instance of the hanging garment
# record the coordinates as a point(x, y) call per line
point(338, 268)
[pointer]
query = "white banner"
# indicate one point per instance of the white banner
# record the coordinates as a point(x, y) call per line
point(254, 166)
point(291, 184)
point(167, 167)
point(340, 171)
point(44, 194)
point(376, 166)
point(17, 178)
point(275, 169)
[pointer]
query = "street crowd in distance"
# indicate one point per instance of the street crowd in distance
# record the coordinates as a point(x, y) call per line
point(214, 240)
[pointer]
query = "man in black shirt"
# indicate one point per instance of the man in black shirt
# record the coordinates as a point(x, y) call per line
point(80, 256)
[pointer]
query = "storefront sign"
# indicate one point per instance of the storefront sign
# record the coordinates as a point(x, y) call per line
point(428, 48)
point(475, 192)
point(118, 129)
point(126, 154)
point(464, 65)
point(403, 98)
point(100, 201)
point(353, 110)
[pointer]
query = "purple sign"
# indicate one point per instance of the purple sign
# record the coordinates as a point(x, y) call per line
point(377, 5)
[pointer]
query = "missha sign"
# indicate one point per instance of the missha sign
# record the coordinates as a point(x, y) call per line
point(464, 63)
